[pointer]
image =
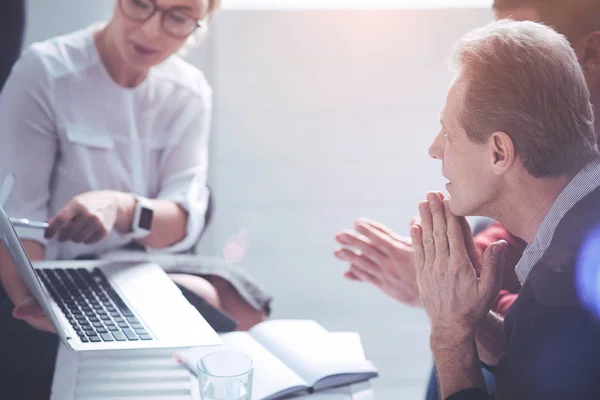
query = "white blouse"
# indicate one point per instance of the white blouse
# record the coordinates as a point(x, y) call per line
point(68, 128)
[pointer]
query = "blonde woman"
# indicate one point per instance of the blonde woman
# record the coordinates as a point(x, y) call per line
point(99, 128)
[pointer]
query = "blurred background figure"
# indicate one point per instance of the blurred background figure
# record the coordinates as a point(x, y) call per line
point(12, 27)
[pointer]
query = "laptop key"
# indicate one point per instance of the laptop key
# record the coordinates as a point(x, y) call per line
point(102, 330)
point(130, 334)
point(123, 325)
point(145, 336)
point(133, 320)
point(105, 318)
point(113, 328)
point(95, 339)
point(126, 312)
point(141, 331)
point(98, 324)
point(119, 336)
point(84, 339)
point(107, 337)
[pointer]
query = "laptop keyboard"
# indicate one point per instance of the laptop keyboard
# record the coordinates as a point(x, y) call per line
point(93, 308)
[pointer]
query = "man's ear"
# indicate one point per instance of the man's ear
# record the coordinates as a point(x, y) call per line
point(588, 51)
point(502, 152)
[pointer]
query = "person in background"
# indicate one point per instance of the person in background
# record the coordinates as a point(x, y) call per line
point(96, 126)
point(517, 144)
point(378, 255)
point(12, 28)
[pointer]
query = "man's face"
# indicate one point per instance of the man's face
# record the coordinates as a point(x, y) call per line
point(465, 164)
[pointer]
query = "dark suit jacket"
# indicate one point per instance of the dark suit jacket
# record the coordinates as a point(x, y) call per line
point(553, 340)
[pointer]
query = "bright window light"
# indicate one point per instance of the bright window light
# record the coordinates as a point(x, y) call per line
point(351, 4)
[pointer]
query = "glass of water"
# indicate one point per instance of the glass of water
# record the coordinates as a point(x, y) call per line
point(225, 375)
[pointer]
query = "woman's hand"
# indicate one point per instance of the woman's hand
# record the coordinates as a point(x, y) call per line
point(89, 217)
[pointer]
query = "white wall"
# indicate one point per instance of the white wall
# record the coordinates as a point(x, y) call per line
point(320, 117)
point(323, 116)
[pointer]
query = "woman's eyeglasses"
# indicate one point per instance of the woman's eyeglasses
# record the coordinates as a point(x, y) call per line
point(174, 22)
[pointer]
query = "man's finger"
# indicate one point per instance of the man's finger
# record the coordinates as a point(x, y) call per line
point(427, 232)
point(456, 240)
point(350, 276)
point(472, 250)
point(492, 271)
point(414, 220)
point(377, 225)
point(440, 236)
point(363, 275)
point(359, 260)
point(364, 244)
point(416, 234)
point(382, 242)
point(385, 230)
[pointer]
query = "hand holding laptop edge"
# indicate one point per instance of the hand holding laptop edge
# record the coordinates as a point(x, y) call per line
point(26, 307)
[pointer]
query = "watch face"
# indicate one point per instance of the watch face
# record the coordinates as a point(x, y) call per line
point(146, 218)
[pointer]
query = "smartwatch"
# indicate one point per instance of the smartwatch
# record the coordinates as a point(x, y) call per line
point(142, 218)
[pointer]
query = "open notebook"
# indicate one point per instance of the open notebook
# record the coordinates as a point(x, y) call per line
point(293, 357)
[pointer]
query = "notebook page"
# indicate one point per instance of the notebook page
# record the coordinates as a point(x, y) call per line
point(311, 351)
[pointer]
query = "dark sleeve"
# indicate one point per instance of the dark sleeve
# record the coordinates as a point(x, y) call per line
point(553, 352)
point(469, 394)
point(12, 27)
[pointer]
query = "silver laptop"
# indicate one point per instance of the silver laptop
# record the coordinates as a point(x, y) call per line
point(96, 305)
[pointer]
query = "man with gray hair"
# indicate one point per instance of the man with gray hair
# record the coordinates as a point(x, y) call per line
point(517, 145)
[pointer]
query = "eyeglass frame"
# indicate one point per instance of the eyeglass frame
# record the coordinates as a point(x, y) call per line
point(200, 23)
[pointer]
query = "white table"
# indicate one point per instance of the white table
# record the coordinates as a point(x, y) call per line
point(145, 375)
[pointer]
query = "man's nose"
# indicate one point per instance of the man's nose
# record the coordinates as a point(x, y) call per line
point(436, 150)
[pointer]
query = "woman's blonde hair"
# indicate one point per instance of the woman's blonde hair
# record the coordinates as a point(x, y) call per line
point(196, 37)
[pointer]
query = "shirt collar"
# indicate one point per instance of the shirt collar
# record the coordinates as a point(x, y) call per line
point(580, 186)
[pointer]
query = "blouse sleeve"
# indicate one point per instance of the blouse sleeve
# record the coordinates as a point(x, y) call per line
point(28, 142)
point(184, 167)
